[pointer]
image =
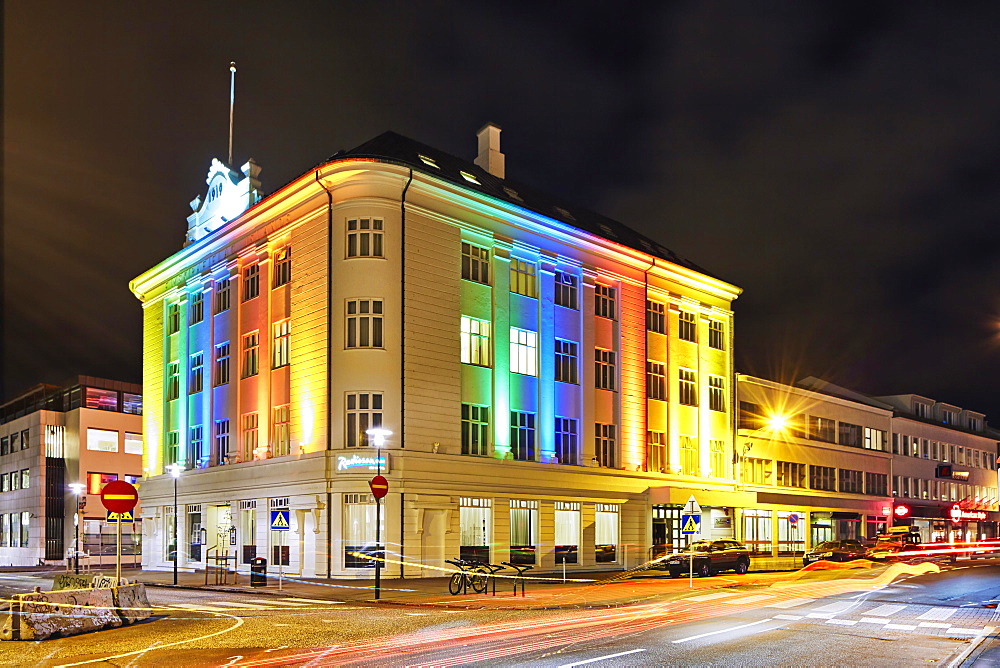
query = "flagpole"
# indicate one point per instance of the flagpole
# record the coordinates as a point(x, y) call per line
point(232, 102)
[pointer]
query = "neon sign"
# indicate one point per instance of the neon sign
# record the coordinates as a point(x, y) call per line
point(901, 511)
point(361, 462)
point(957, 514)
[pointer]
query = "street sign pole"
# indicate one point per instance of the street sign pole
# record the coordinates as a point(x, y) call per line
point(281, 558)
point(118, 560)
point(378, 530)
point(120, 497)
point(691, 525)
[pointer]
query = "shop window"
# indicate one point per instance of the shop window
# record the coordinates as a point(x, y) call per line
point(475, 518)
point(757, 530)
point(606, 533)
point(567, 532)
point(359, 531)
point(523, 531)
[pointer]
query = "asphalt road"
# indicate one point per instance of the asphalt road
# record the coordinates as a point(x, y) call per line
point(834, 621)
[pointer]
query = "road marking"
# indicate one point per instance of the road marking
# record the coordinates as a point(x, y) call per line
point(842, 622)
point(271, 602)
point(971, 632)
point(836, 606)
point(791, 618)
point(242, 606)
point(601, 658)
point(712, 633)
point(901, 627)
point(748, 599)
point(790, 603)
point(885, 610)
point(875, 620)
point(195, 607)
point(938, 614)
point(712, 596)
point(935, 625)
point(313, 600)
point(822, 615)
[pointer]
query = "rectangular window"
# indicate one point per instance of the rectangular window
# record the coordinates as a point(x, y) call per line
point(281, 433)
point(686, 328)
point(875, 439)
point(102, 440)
point(750, 416)
point(522, 278)
point(250, 437)
point(656, 317)
point(251, 282)
point(567, 362)
point(364, 237)
point(222, 363)
point(756, 471)
point(606, 532)
point(222, 295)
point(567, 451)
point(757, 531)
point(604, 369)
point(198, 453)
point(523, 531)
point(566, 290)
point(850, 434)
point(717, 393)
point(716, 335)
point(823, 477)
point(359, 530)
point(474, 517)
point(523, 352)
point(131, 403)
point(687, 387)
point(822, 429)
point(364, 412)
point(25, 479)
point(791, 474)
point(97, 481)
point(717, 450)
point(877, 484)
point(197, 311)
point(656, 451)
point(605, 301)
point(475, 264)
point(475, 430)
point(283, 343)
point(15, 481)
point(221, 441)
point(690, 457)
point(173, 449)
point(5, 445)
point(283, 267)
point(173, 380)
point(606, 445)
point(567, 532)
point(475, 341)
point(851, 482)
point(251, 355)
point(656, 381)
point(4, 483)
point(197, 380)
point(133, 444)
point(522, 436)
point(173, 318)
point(364, 323)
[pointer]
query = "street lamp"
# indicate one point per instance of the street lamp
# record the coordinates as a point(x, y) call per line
point(175, 471)
point(378, 436)
point(81, 501)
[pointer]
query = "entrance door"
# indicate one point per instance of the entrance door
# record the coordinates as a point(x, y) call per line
point(432, 547)
point(667, 536)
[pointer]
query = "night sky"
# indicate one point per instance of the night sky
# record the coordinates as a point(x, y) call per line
point(837, 161)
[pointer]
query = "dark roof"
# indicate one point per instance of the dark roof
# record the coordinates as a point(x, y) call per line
point(395, 148)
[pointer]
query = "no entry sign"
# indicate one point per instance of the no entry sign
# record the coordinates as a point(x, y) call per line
point(379, 485)
point(119, 496)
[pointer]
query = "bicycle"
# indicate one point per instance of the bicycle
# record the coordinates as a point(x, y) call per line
point(471, 575)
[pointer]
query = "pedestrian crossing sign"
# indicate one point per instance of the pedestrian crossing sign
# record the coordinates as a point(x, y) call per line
point(690, 524)
point(125, 518)
point(279, 520)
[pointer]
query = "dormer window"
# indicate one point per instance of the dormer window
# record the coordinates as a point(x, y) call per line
point(430, 162)
point(470, 178)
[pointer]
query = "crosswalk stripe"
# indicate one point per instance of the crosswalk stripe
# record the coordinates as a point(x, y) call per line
point(313, 600)
point(956, 629)
point(938, 614)
point(935, 625)
point(885, 610)
point(748, 599)
point(791, 618)
point(836, 606)
point(709, 597)
point(842, 622)
point(901, 627)
point(790, 603)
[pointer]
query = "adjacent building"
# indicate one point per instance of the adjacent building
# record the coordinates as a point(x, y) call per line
point(88, 431)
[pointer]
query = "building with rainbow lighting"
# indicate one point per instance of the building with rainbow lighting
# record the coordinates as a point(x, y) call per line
point(552, 386)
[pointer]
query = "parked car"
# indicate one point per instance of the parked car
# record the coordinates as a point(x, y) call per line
point(710, 557)
point(836, 550)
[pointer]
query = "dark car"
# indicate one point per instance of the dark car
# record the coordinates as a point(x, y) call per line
point(836, 550)
point(710, 557)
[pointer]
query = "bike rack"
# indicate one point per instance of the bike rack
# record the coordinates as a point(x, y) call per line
point(521, 569)
point(494, 569)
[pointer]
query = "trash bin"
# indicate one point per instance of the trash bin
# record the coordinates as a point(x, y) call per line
point(258, 572)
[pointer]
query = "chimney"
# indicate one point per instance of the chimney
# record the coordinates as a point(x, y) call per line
point(490, 158)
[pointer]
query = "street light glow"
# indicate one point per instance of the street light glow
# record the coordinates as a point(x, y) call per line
point(777, 422)
point(378, 436)
point(77, 488)
point(175, 469)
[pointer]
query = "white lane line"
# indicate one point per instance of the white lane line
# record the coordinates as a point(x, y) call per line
point(938, 614)
point(194, 607)
point(842, 622)
point(935, 625)
point(885, 610)
point(272, 602)
point(790, 604)
point(956, 629)
point(791, 618)
point(901, 627)
point(748, 599)
point(313, 600)
point(709, 597)
point(875, 620)
point(836, 606)
point(242, 606)
point(713, 633)
point(601, 658)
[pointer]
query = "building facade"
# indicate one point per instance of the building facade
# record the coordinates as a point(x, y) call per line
point(555, 385)
point(87, 432)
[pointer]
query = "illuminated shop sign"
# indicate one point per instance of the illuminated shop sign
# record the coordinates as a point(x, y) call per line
point(958, 515)
point(948, 471)
point(362, 463)
point(901, 511)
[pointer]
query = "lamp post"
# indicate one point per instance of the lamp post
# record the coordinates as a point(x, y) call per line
point(175, 472)
point(81, 500)
point(378, 440)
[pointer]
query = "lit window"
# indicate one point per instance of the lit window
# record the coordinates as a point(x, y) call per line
point(656, 451)
point(97, 481)
point(522, 278)
point(716, 335)
point(282, 343)
point(475, 264)
point(283, 267)
point(605, 298)
point(133, 443)
point(688, 390)
point(364, 323)
point(251, 282)
point(475, 339)
point(656, 319)
point(364, 412)
point(364, 237)
point(281, 429)
point(686, 326)
point(250, 437)
point(523, 352)
point(717, 393)
point(566, 290)
point(690, 457)
point(251, 359)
